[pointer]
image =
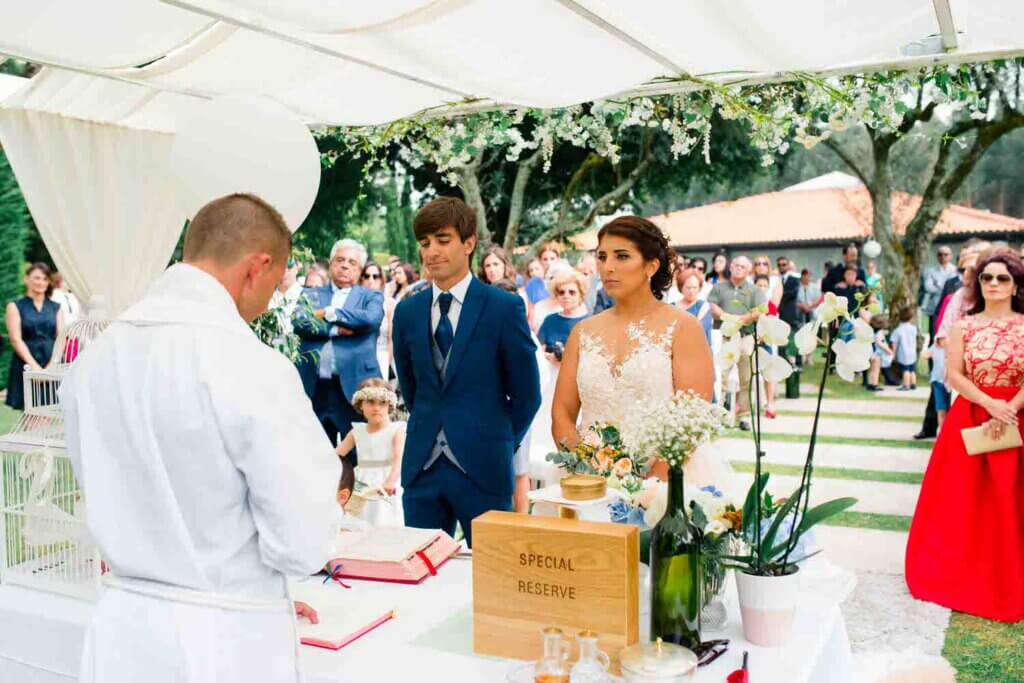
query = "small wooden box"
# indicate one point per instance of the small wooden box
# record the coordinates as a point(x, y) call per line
point(533, 572)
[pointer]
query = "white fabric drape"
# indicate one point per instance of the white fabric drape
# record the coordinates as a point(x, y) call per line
point(101, 199)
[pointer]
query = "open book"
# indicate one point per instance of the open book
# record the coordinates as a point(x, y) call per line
point(397, 554)
point(343, 618)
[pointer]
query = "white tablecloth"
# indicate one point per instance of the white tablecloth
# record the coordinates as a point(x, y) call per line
point(430, 640)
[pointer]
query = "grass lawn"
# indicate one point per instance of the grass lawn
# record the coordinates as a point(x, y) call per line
point(854, 416)
point(984, 651)
point(838, 440)
point(833, 472)
point(869, 520)
point(837, 387)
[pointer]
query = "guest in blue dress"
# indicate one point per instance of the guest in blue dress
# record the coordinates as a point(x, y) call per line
point(568, 288)
point(690, 281)
point(33, 323)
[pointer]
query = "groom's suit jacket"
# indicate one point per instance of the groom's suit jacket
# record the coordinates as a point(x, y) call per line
point(490, 391)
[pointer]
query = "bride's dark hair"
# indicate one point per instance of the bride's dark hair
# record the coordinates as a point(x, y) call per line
point(652, 244)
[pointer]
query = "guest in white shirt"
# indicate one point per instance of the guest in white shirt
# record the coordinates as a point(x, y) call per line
point(208, 477)
point(69, 304)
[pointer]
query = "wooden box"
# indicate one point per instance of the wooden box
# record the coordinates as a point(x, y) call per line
point(533, 572)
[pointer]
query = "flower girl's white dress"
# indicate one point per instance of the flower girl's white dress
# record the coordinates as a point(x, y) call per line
point(609, 392)
point(375, 455)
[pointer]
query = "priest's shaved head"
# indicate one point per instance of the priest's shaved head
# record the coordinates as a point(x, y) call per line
point(244, 243)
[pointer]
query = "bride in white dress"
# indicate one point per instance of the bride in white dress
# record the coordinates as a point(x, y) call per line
point(640, 350)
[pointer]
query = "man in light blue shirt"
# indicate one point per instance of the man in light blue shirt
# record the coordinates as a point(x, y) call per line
point(339, 341)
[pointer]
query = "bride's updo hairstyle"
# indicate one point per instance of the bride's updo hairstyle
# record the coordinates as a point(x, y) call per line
point(650, 241)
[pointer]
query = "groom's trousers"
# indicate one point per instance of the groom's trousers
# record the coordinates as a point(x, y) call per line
point(443, 494)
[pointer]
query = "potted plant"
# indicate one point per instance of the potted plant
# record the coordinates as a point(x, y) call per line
point(773, 529)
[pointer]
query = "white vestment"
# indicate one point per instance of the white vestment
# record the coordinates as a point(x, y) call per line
point(208, 480)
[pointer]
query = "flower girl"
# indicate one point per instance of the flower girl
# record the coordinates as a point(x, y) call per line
point(379, 442)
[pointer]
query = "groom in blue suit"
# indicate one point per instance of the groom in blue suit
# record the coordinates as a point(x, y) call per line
point(338, 343)
point(467, 368)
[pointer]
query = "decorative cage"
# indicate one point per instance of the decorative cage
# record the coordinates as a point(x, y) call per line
point(44, 541)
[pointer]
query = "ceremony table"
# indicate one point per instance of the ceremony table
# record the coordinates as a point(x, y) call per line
point(429, 640)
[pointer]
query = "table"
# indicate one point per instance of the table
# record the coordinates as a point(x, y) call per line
point(430, 640)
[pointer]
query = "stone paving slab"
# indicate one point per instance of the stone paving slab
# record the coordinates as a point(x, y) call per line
point(848, 428)
point(854, 406)
point(828, 455)
point(863, 550)
point(872, 496)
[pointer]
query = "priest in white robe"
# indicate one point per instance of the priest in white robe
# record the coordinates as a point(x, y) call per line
point(208, 478)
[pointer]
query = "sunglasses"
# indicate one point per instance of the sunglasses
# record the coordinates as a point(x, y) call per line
point(566, 292)
point(372, 276)
point(1001, 278)
point(710, 650)
point(762, 263)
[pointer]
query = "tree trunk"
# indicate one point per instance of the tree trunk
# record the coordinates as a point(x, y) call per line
point(517, 201)
point(469, 183)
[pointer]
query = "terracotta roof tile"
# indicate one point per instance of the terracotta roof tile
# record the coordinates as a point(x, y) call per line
point(806, 216)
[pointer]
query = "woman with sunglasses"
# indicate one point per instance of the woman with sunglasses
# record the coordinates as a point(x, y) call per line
point(372, 278)
point(966, 545)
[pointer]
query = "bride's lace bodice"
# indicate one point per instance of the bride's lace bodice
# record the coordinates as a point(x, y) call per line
point(609, 390)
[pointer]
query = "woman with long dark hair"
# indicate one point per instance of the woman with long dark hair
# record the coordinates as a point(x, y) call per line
point(404, 276)
point(372, 277)
point(33, 323)
point(966, 545)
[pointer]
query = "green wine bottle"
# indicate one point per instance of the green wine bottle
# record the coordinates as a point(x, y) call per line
point(676, 572)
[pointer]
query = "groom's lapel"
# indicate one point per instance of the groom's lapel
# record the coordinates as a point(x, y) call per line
point(423, 356)
point(468, 318)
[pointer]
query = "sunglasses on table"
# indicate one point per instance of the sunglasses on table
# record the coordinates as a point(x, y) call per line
point(710, 650)
point(1001, 278)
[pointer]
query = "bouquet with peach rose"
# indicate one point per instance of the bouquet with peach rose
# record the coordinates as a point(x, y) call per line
point(600, 451)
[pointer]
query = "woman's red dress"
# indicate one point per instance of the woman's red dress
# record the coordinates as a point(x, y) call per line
point(966, 546)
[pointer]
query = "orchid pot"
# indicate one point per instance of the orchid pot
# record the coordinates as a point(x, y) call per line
point(768, 606)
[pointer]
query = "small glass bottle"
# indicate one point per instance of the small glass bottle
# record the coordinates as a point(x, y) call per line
point(553, 667)
point(592, 666)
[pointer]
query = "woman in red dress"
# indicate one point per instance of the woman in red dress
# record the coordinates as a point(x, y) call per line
point(966, 546)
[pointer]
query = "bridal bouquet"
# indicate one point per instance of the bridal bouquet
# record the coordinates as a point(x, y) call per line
point(673, 429)
point(600, 450)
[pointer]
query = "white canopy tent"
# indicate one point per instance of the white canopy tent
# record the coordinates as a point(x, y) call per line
point(88, 136)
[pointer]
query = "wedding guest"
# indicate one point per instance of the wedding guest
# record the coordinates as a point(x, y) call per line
point(339, 341)
point(551, 305)
point(763, 266)
point(379, 442)
point(881, 353)
point(719, 268)
point(692, 285)
point(393, 264)
point(550, 253)
point(932, 282)
point(536, 290)
point(284, 299)
point(738, 296)
point(873, 280)
point(763, 282)
point(372, 278)
point(904, 343)
point(315, 278)
point(404, 280)
point(807, 296)
point(33, 324)
point(837, 273)
point(587, 266)
point(700, 264)
point(568, 288)
point(69, 304)
point(496, 265)
point(966, 544)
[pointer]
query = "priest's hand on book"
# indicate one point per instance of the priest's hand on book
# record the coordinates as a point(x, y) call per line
point(303, 609)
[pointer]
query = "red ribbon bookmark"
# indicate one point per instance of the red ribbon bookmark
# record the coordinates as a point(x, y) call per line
point(426, 560)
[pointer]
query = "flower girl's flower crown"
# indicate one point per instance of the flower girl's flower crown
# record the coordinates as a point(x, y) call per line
point(375, 394)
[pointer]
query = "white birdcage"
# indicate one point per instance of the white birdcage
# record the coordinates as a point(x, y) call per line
point(44, 541)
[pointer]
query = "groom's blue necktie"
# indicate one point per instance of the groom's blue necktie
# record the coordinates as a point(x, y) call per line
point(444, 335)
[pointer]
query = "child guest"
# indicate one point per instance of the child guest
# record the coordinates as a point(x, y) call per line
point(904, 341)
point(380, 443)
point(882, 355)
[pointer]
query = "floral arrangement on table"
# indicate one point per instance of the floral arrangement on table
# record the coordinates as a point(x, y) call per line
point(774, 531)
point(678, 543)
point(600, 451)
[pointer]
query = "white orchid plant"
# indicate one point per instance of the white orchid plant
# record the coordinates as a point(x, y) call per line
point(772, 530)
